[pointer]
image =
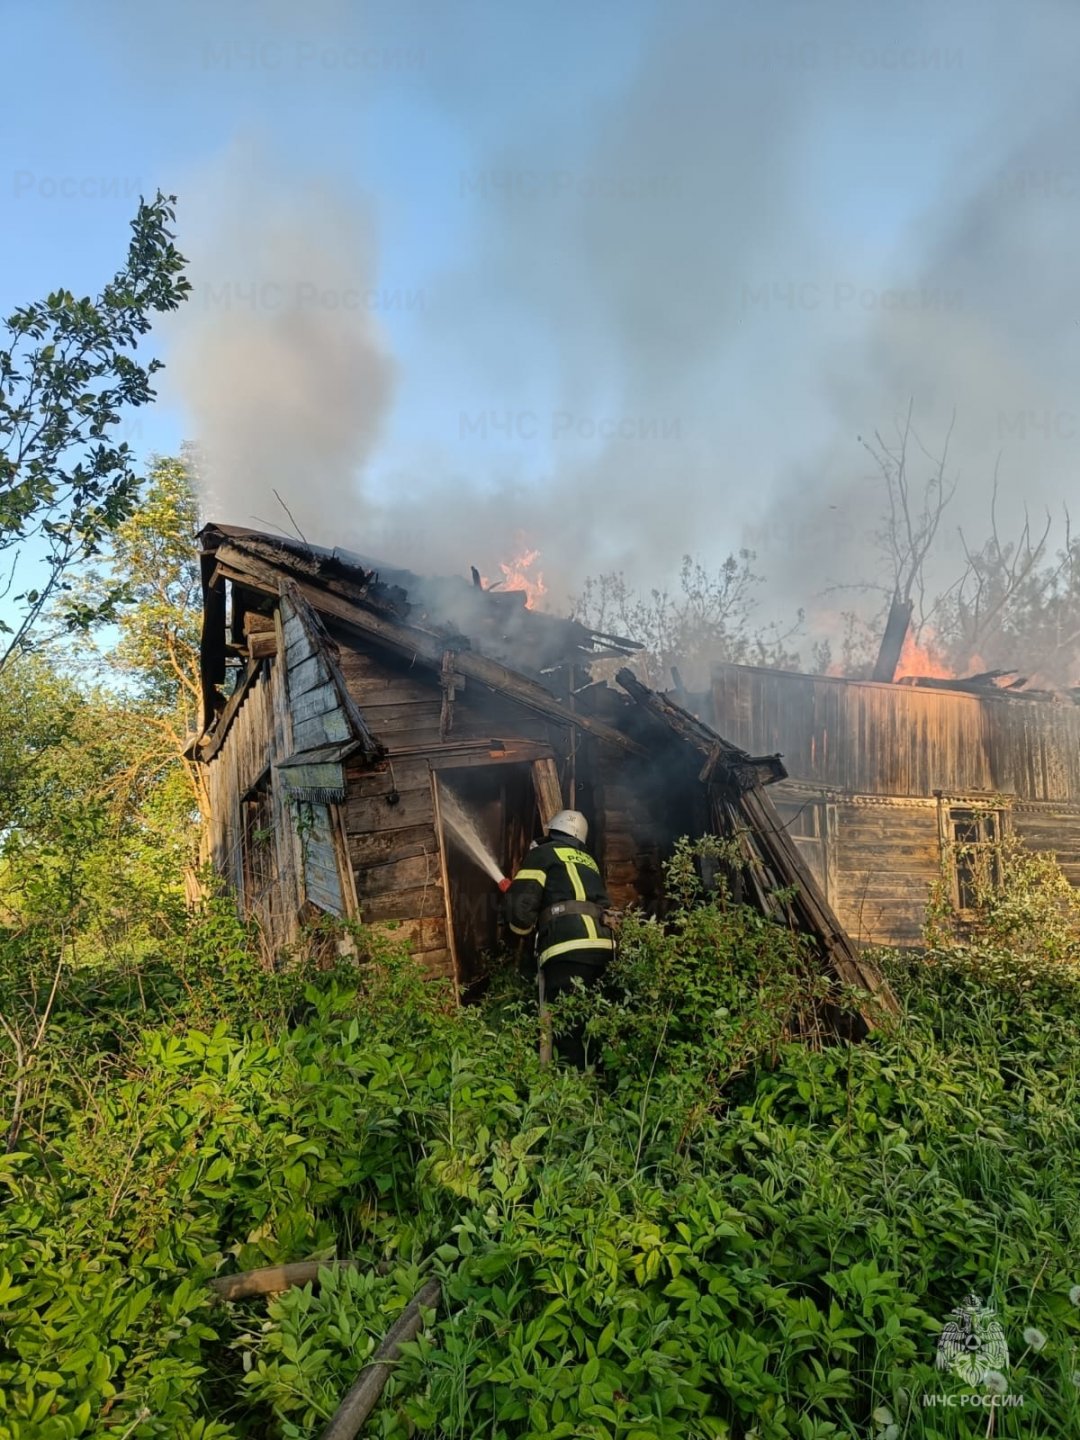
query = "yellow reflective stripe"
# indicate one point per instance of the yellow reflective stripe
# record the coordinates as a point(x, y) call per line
point(518, 931)
point(590, 927)
point(538, 875)
point(576, 857)
point(575, 881)
point(568, 945)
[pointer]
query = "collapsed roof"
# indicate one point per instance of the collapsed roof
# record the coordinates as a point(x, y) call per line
point(463, 614)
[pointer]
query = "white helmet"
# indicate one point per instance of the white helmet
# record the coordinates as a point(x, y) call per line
point(570, 822)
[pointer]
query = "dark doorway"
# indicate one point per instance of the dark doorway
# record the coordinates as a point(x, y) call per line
point(501, 800)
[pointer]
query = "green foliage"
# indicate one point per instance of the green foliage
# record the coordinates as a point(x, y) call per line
point(148, 572)
point(1023, 931)
point(66, 379)
point(723, 1232)
point(709, 618)
point(95, 841)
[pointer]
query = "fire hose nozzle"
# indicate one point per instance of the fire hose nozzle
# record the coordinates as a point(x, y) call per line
point(504, 884)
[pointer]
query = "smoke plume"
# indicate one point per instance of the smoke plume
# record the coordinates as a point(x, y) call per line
point(688, 253)
point(283, 372)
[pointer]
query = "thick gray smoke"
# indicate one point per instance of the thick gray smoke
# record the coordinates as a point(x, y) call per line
point(276, 355)
point(693, 250)
point(783, 224)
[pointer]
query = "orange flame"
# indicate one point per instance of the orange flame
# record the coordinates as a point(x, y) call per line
point(520, 573)
point(922, 660)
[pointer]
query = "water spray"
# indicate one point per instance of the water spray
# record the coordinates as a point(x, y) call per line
point(465, 830)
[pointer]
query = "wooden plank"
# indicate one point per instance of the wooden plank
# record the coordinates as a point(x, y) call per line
point(436, 964)
point(424, 902)
point(548, 789)
point(296, 635)
point(322, 776)
point(384, 719)
point(262, 645)
point(208, 747)
point(420, 935)
point(511, 752)
point(320, 730)
point(444, 880)
point(324, 892)
point(308, 674)
point(410, 773)
point(414, 807)
point(383, 847)
point(404, 874)
point(320, 701)
point(319, 846)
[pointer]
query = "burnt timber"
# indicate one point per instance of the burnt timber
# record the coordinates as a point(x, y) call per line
point(342, 702)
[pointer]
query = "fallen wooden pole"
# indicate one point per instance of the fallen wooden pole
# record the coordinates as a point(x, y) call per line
point(368, 1386)
point(272, 1278)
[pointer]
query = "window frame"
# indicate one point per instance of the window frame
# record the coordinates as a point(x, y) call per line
point(258, 860)
point(991, 819)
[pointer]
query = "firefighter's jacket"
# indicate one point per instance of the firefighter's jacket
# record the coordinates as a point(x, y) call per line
point(554, 873)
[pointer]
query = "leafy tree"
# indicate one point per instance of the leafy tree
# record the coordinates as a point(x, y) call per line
point(66, 376)
point(95, 843)
point(149, 573)
point(709, 619)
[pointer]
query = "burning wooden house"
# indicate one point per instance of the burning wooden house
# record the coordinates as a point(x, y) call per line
point(890, 782)
point(345, 702)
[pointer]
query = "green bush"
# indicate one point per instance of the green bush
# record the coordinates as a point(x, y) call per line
point(732, 1228)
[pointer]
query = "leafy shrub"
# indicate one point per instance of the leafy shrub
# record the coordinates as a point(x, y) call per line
point(1023, 932)
point(726, 1231)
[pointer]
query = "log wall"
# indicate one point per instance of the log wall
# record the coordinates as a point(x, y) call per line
point(887, 854)
point(390, 821)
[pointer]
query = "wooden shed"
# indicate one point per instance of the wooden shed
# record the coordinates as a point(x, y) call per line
point(889, 781)
point(347, 708)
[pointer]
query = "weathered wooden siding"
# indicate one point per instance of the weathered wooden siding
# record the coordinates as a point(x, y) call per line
point(390, 810)
point(1034, 749)
point(318, 718)
point(862, 738)
point(258, 737)
point(394, 851)
point(1052, 829)
point(888, 854)
point(402, 705)
point(873, 739)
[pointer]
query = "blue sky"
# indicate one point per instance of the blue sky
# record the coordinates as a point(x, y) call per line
point(637, 274)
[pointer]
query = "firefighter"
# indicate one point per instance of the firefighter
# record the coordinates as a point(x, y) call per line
point(560, 893)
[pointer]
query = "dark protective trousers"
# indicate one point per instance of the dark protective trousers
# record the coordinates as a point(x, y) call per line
point(559, 976)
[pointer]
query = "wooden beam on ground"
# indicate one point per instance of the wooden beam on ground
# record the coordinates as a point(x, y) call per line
point(271, 1279)
point(425, 646)
point(364, 1394)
